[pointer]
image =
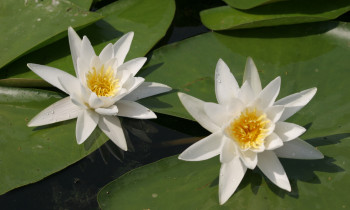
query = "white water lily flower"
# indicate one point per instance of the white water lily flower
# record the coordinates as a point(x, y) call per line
point(248, 128)
point(105, 87)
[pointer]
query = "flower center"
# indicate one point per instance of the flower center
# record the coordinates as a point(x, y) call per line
point(249, 129)
point(102, 82)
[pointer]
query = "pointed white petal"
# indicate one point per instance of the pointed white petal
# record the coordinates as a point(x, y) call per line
point(288, 131)
point(83, 68)
point(273, 141)
point(295, 102)
point(70, 84)
point(195, 107)
point(231, 174)
point(110, 125)
point(78, 100)
point(272, 168)
point(133, 83)
point(122, 46)
point(228, 151)
point(95, 101)
point(62, 110)
point(133, 66)
point(298, 149)
point(252, 76)
point(87, 52)
point(75, 47)
point(246, 94)
point(268, 95)
point(86, 124)
point(134, 110)
point(111, 111)
point(50, 74)
point(204, 149)
point(147, 89)
point(217, 113)
point(249, 158)
point(106, 54)
point(95, 62)
point(274, 112)
point(226, 86)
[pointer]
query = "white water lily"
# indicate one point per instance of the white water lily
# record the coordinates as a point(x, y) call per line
point(248, 128)
point(104, 87)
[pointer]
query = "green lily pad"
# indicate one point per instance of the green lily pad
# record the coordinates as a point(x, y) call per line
point(148, 19)
point(28, 154)
point(305, 56)
point(174, 184)
point(279, 13)
point(242, 4)
point(29, 24)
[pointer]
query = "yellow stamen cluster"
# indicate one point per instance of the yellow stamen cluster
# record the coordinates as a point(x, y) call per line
point(249, 129)
point(102, 82)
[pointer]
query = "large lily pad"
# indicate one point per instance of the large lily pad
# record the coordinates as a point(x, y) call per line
point(305, 56)
point(148, 19)
point(279, 13)
point(28, 154)
point(29, 23)
point(174, 184)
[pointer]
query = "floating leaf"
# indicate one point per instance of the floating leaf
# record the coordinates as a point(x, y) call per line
point(279, 13)
point(175, 184)
point(148, 19)
point(29, 24)
point(28, 154)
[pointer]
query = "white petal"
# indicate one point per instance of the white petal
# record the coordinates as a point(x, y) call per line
point(83, 67)
point(110, 125)
point(122, 46)
point(147, 89)
point(86, 124)
point(75, 47)
point(95, 62)
point(273, 141)
point(87, 52)
point(228, 151)
point(268, 95)
point(226, 86)
point(62, 110)
point(133, 66)
point(134, 110)
point(204, 149)
point(295, 102)
point(274, 112)
point(195, 107)
point(246, 94)
point(106, 54)
point(231, 175)
point(95, 101)
point(217, 113)
point(249, 158)
point(272, 168)
point(298, 149)
point(78, 100)
point(70, 84)
point(288, 131)
point(50, 74)
point(112, 110)
point(252, 76)
point(137, 81)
